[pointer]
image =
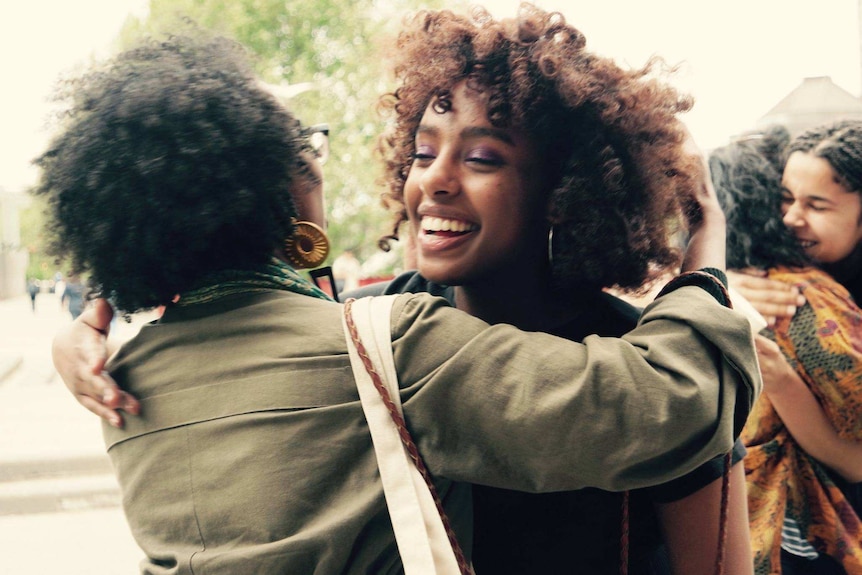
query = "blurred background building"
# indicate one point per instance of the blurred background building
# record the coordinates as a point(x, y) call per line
point(815, 101)
point(13, 256)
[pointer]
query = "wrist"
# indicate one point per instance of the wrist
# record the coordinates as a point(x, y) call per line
point(702, 279)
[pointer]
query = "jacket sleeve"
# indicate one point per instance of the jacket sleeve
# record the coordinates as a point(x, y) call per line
point(533, 412)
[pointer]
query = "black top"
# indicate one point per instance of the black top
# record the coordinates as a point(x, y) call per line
point(573, 531)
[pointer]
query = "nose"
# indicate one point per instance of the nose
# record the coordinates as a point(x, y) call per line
point(793, 217)
point(440, 179)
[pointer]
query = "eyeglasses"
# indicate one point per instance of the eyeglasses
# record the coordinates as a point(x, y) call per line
point(318, 141)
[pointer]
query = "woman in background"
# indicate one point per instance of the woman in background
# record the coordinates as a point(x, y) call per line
point(809, 420)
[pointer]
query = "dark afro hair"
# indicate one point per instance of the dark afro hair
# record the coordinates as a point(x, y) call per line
point(612, 139)
point(748, 184)
point(172, 162)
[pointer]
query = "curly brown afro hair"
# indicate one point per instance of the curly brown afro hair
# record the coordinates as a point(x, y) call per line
point(173, 162)
point(611, 136)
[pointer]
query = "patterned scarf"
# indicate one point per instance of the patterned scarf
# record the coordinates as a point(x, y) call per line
point(824, 344)
point(276, 275)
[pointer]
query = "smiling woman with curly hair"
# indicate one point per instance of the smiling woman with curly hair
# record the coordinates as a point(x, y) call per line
point(529, 174)
point(609, 137)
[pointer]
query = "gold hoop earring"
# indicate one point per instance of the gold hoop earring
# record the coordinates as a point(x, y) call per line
point(307, 247)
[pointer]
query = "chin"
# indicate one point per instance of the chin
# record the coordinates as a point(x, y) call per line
point(443, 274)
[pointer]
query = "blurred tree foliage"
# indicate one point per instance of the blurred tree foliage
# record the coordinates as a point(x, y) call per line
point(40, 265)
point(326, 55)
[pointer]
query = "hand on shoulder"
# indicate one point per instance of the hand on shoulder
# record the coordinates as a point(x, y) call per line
point(773, 299)
point(79, 352)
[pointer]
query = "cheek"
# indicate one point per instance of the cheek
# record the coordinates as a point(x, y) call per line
point(842, 237)
point(310, 206)
point(858, 238)
point(411, 195)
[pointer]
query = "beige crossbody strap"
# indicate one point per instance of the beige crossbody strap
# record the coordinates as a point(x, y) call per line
point(425, 542)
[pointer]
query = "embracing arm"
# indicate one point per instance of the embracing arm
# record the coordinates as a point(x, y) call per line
point(80, 351)
point(691, 528)
point(533, 412)
point(804, 416)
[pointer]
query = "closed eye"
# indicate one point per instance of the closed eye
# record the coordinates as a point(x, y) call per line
point(484, 157)
point(424, 154)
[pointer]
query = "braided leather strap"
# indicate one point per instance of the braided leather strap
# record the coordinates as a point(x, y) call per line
point(406, 439)
point(624, 535)
point(722, 526)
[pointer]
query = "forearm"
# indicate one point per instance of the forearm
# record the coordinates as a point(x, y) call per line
point(672, 394)
point(691, 528)
point(807, 422)
point(706, 247)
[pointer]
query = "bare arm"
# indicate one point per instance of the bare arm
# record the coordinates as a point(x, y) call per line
point(80, 351)
point(691, 525)
point(773, 299)
point(691, 529)
point(804, 417)
point(707, 225)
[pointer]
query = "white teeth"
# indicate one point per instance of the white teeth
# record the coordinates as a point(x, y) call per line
point(430, 224)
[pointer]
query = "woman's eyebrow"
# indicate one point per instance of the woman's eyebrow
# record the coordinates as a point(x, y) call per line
point(807, 197)
point(471, 132)
point(482, 131)
point(426, 129)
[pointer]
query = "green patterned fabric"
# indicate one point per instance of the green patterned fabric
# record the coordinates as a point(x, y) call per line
point(274, 275)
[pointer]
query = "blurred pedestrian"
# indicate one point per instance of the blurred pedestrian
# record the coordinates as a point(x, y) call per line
point(75, 295)
point(346, 270)
point(33, 288)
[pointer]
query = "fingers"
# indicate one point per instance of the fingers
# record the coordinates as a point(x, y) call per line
point(773, 299)
point(774, 368)
point(100, 394)
point(98, 316)
point(113, 417)
point(115, 398)
point(79, 353)
point(764, 345)
point(756, 272)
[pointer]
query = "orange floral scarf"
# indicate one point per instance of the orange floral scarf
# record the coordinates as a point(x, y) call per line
point(823, 342)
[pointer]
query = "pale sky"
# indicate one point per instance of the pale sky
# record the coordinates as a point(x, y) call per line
point(40, 39)
point(738, 57)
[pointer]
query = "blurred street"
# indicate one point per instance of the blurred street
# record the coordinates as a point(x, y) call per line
point(59, 503)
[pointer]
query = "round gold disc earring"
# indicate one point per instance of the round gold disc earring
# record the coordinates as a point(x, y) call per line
point(308, 246)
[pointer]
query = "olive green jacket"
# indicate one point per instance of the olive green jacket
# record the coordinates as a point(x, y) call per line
point(252, 454)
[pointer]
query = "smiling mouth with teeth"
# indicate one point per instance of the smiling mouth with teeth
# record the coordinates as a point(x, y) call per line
point(805, 244)
point(442, 225)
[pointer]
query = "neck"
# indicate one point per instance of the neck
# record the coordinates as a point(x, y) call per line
point(848, 272)
point(527, 303)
